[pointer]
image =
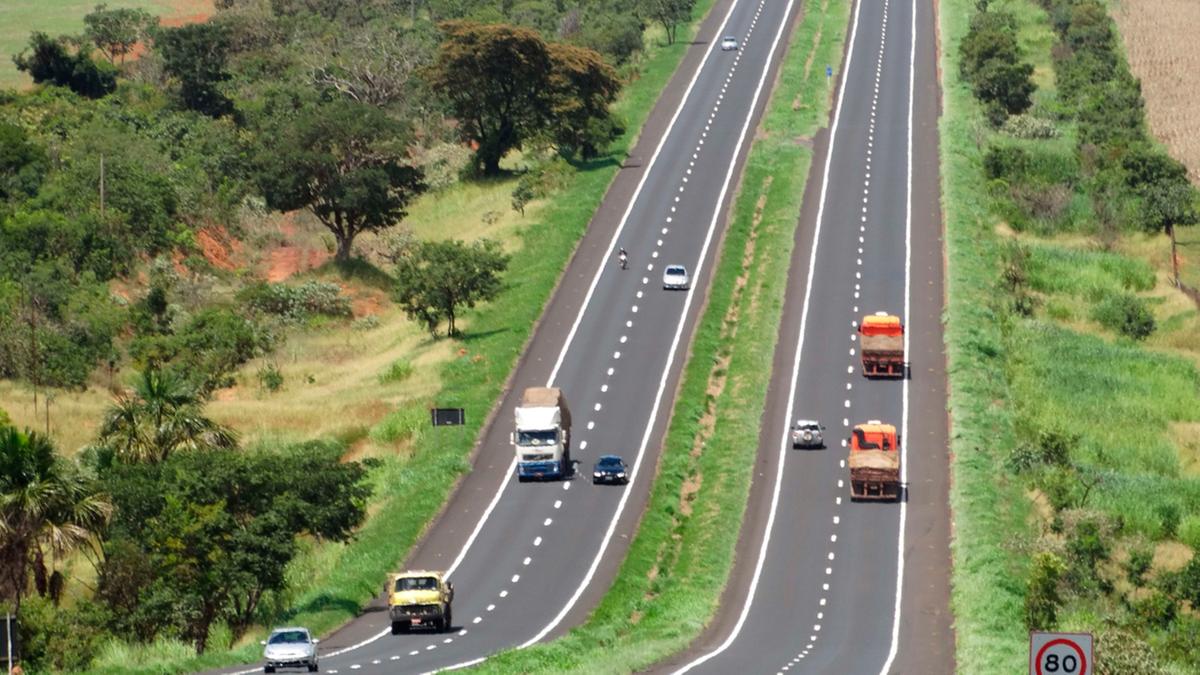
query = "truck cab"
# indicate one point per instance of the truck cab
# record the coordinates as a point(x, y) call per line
point(542, 436)
point(419, 598)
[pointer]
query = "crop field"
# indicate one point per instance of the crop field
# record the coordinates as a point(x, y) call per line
point(1159, 37)
point(18, 18)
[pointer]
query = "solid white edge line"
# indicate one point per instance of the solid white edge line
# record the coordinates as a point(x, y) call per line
point(662, 386)
point(895, 647)
point(783, 443)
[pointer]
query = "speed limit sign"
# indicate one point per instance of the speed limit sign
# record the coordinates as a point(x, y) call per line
point(1060, 654)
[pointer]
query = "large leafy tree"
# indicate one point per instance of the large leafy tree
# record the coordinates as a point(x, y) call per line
point(203, 537)
point(162, 415)
point(116, 31)
point(506, 86)
point(47, 506)
point(669, 13)
point(22, 163)
point(438, 277)
point(50, 61)
point(343, 161)
point(197, 54)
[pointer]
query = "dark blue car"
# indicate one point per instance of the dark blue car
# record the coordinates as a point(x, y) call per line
point(610, 469)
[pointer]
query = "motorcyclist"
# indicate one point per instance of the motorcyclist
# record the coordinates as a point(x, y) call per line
point(624, 258)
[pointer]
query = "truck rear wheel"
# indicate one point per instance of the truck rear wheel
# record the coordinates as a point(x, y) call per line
point(397, 627)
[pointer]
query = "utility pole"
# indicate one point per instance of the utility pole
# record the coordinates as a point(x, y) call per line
point(101, 187)
point(8, 646)
point(1174, 255)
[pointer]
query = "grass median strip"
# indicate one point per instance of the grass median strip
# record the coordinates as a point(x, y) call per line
point(670, 583)
point(334, 582)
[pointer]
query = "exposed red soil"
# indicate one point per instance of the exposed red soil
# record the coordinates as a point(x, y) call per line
point(220, 248)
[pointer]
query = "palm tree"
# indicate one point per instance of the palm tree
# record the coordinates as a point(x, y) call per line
point(161, 416)
point(45, 503)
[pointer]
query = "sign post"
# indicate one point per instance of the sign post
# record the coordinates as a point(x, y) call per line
point(1061, 654)
point(446, 417)
point(828, 73)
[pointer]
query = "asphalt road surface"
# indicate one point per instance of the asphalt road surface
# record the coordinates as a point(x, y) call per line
point(824, 585)
point(529, 560)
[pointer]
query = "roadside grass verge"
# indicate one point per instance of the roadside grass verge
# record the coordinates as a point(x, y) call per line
point(333, 582)
point(670, 582)
point(1124, 408)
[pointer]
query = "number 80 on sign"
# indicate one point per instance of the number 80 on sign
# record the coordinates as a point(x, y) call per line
point(1060, 654)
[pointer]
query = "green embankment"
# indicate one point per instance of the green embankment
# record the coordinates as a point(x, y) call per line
point(669, 585)
point(411, 489)
point(1049, 368)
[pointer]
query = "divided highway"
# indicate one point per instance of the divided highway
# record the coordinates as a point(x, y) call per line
point(824, 585)
point(529, 560)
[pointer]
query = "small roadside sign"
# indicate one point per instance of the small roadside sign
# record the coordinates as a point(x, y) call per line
point(1060, 654)
point(828, 72)
point(448, 417)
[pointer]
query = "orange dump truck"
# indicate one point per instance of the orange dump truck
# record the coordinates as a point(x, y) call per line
point(874, 462)
point(882, 345)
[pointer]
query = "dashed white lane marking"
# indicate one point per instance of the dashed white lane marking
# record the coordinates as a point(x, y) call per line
point(418, 651)
point(375, 662)
point(504, 593)
point(591, 425)
point(355, 667)
point(583, 445)
point(537, 541)
point(823, 601)
point(394, 657)
point(516, 578)
point(430, 648)
point(841, 483)
point(462, 632)
point(566, 486)
point(558, 503)
point(610, 371)
point(547, 523)
point(447, 641)
point(597, 406)
point(475, 620)
point(831, 555)
point(526, 561)
point(491, 607)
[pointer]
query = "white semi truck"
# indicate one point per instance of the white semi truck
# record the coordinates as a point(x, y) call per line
point(543, 434)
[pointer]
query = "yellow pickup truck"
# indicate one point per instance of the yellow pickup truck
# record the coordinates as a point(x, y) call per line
point(419, 599)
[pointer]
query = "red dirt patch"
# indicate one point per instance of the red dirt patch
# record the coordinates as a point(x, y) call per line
point(219, 247)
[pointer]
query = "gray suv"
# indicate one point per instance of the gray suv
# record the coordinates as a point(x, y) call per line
point(807, 434)
point(290, 648)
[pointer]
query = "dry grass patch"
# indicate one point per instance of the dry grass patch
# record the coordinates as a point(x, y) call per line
point(1186, 437)
point(1170, 556)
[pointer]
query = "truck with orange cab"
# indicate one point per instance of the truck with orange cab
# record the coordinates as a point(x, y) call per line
point(882, 345)
point(874, 462)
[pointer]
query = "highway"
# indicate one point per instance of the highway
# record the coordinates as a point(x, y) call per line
point(529, 560)
point(824, 585)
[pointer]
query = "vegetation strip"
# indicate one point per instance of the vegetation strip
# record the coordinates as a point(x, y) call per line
point(1074, 504)
point(670, 583)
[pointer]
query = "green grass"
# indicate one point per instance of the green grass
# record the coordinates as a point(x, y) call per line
point(333, 582)
point(19, 18)
point(669, 585)
point(988, 586)
point(1127, 403)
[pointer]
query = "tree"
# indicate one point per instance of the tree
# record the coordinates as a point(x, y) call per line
point(196, 54)
point(344, 162)
point(496, 79)
point(438, 277)
point(162, 415)
point(22, 163)
point(506, 86)
point(116, 31)
point(584, 87)
point(46, 505)
point(376, 65)
point(1006, 85)
point(203, 537)
point(49, 61)
point(669, 13)
point(1042, 599)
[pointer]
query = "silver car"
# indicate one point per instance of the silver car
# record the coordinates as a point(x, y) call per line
point(290, 648)
point(807, 434)
point(729, 43)
point(675, 277)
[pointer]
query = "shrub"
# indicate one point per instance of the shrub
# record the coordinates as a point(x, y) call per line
point(1155, 609)
point(1125, 314)
point(1168, 515)
point(443, 164)
point(1030, 127)
point(270, 378)
point(1042, 599)
point(1006, 162)
point(296, 303)
point(1120, 652)
point(54, 639)
point(1138, 564)
point(399, 371)
point(1189, 531)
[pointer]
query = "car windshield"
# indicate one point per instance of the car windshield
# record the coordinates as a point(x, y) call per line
point(676, 271)
point(806, 425)
point(610, 462)
point(730, 38)
point(416, 584)
point(537, 437)
point(288, 637)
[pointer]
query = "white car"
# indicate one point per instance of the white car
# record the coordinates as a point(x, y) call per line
point(290, 648)
point(675, 277)
point(807, 434)
point(729, 43)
